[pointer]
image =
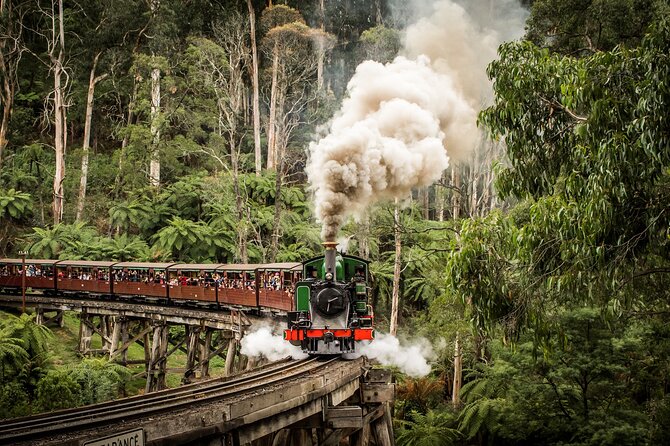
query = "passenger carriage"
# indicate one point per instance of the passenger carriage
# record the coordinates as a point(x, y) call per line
point(214, 285)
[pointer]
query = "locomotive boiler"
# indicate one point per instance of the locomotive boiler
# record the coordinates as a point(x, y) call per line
point(332, 313)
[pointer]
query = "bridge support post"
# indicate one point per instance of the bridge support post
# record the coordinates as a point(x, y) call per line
point(125, 328)
point(192, 348)
point(281, 438)
point(303, 437)
point(60, 319)
point(85, 333)
point(361, 437)
point(252, 362)
point(106, 332)
point(42, 319)
point(382, 433)
point(158, 362)
point(204, 353)
point(39, 316)
point(230, 357)
point(241, 363)
point(119, 322)
point(146, 340)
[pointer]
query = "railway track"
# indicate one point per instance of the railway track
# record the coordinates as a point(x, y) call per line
point(71, 420)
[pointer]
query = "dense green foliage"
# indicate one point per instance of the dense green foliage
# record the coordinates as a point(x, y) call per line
point(559, 299)
point(574, 278)
point(202, 130)
point(32, 380)
point(567, 292)
point(578, 27)
point(588, 153)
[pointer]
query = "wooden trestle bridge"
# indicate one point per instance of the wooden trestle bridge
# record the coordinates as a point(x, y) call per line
point(314, 402)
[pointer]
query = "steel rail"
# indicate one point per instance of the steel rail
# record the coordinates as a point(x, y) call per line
point(49, 417)
point(146, 405)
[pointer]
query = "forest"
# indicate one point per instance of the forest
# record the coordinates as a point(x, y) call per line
point(538, 260)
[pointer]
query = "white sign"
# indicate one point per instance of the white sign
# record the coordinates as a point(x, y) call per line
point(129, 438)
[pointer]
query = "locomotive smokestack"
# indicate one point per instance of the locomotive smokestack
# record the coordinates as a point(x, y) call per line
point(331, 253)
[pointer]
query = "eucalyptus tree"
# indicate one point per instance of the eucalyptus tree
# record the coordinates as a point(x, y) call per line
point(157, 66)
point(107, 27)
point(581, 28)
point(55, 43)
point(289, 46)
point(221, 65)
point(12, 48)
point(258, 158)
point(587, 146)
point(380, 43)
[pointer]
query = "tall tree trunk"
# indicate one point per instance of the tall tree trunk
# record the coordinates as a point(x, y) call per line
point(475, 173)
point(458, 370)
point(364, 238)
point(242, 254)
point(93, 80)
point(456, 191)
point(274, 246)
point(154, 156)
point(7, 98)
point(60, 121)
point(155, 164)
point(272, 124)
point(10, 55)
point(126, 137)
point(321, 53)
point(281, 140)
point(424, 196)
point(486, 183)
point(254, 83)
point(440, 197)
point(396, 269)
point(131, 115)
point(378, 10)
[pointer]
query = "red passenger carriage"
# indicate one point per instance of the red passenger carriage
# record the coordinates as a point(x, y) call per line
point(239, 285)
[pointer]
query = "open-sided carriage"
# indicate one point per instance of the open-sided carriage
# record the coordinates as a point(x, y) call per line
point(237, 285)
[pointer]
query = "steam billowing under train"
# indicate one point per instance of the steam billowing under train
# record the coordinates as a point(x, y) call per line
point(332, 312)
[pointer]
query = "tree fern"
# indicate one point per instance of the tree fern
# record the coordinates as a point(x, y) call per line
point(481, 412)
point(433, 429)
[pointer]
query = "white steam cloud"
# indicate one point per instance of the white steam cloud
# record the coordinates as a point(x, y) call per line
point(412, 359)
point(402, 121)
point(264, 343)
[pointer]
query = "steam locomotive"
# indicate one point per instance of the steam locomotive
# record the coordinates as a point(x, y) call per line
point(331, 305)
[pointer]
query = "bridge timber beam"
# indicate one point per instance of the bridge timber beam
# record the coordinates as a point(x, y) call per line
point(235, 320)
point(306, 403)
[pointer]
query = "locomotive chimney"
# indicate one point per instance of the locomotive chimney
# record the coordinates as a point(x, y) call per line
point(330, 258)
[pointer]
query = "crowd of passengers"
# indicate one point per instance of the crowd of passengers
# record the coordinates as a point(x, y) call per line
point(270, 281)
point(31, 271)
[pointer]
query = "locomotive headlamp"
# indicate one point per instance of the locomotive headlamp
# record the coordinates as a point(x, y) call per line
point(329, 276)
